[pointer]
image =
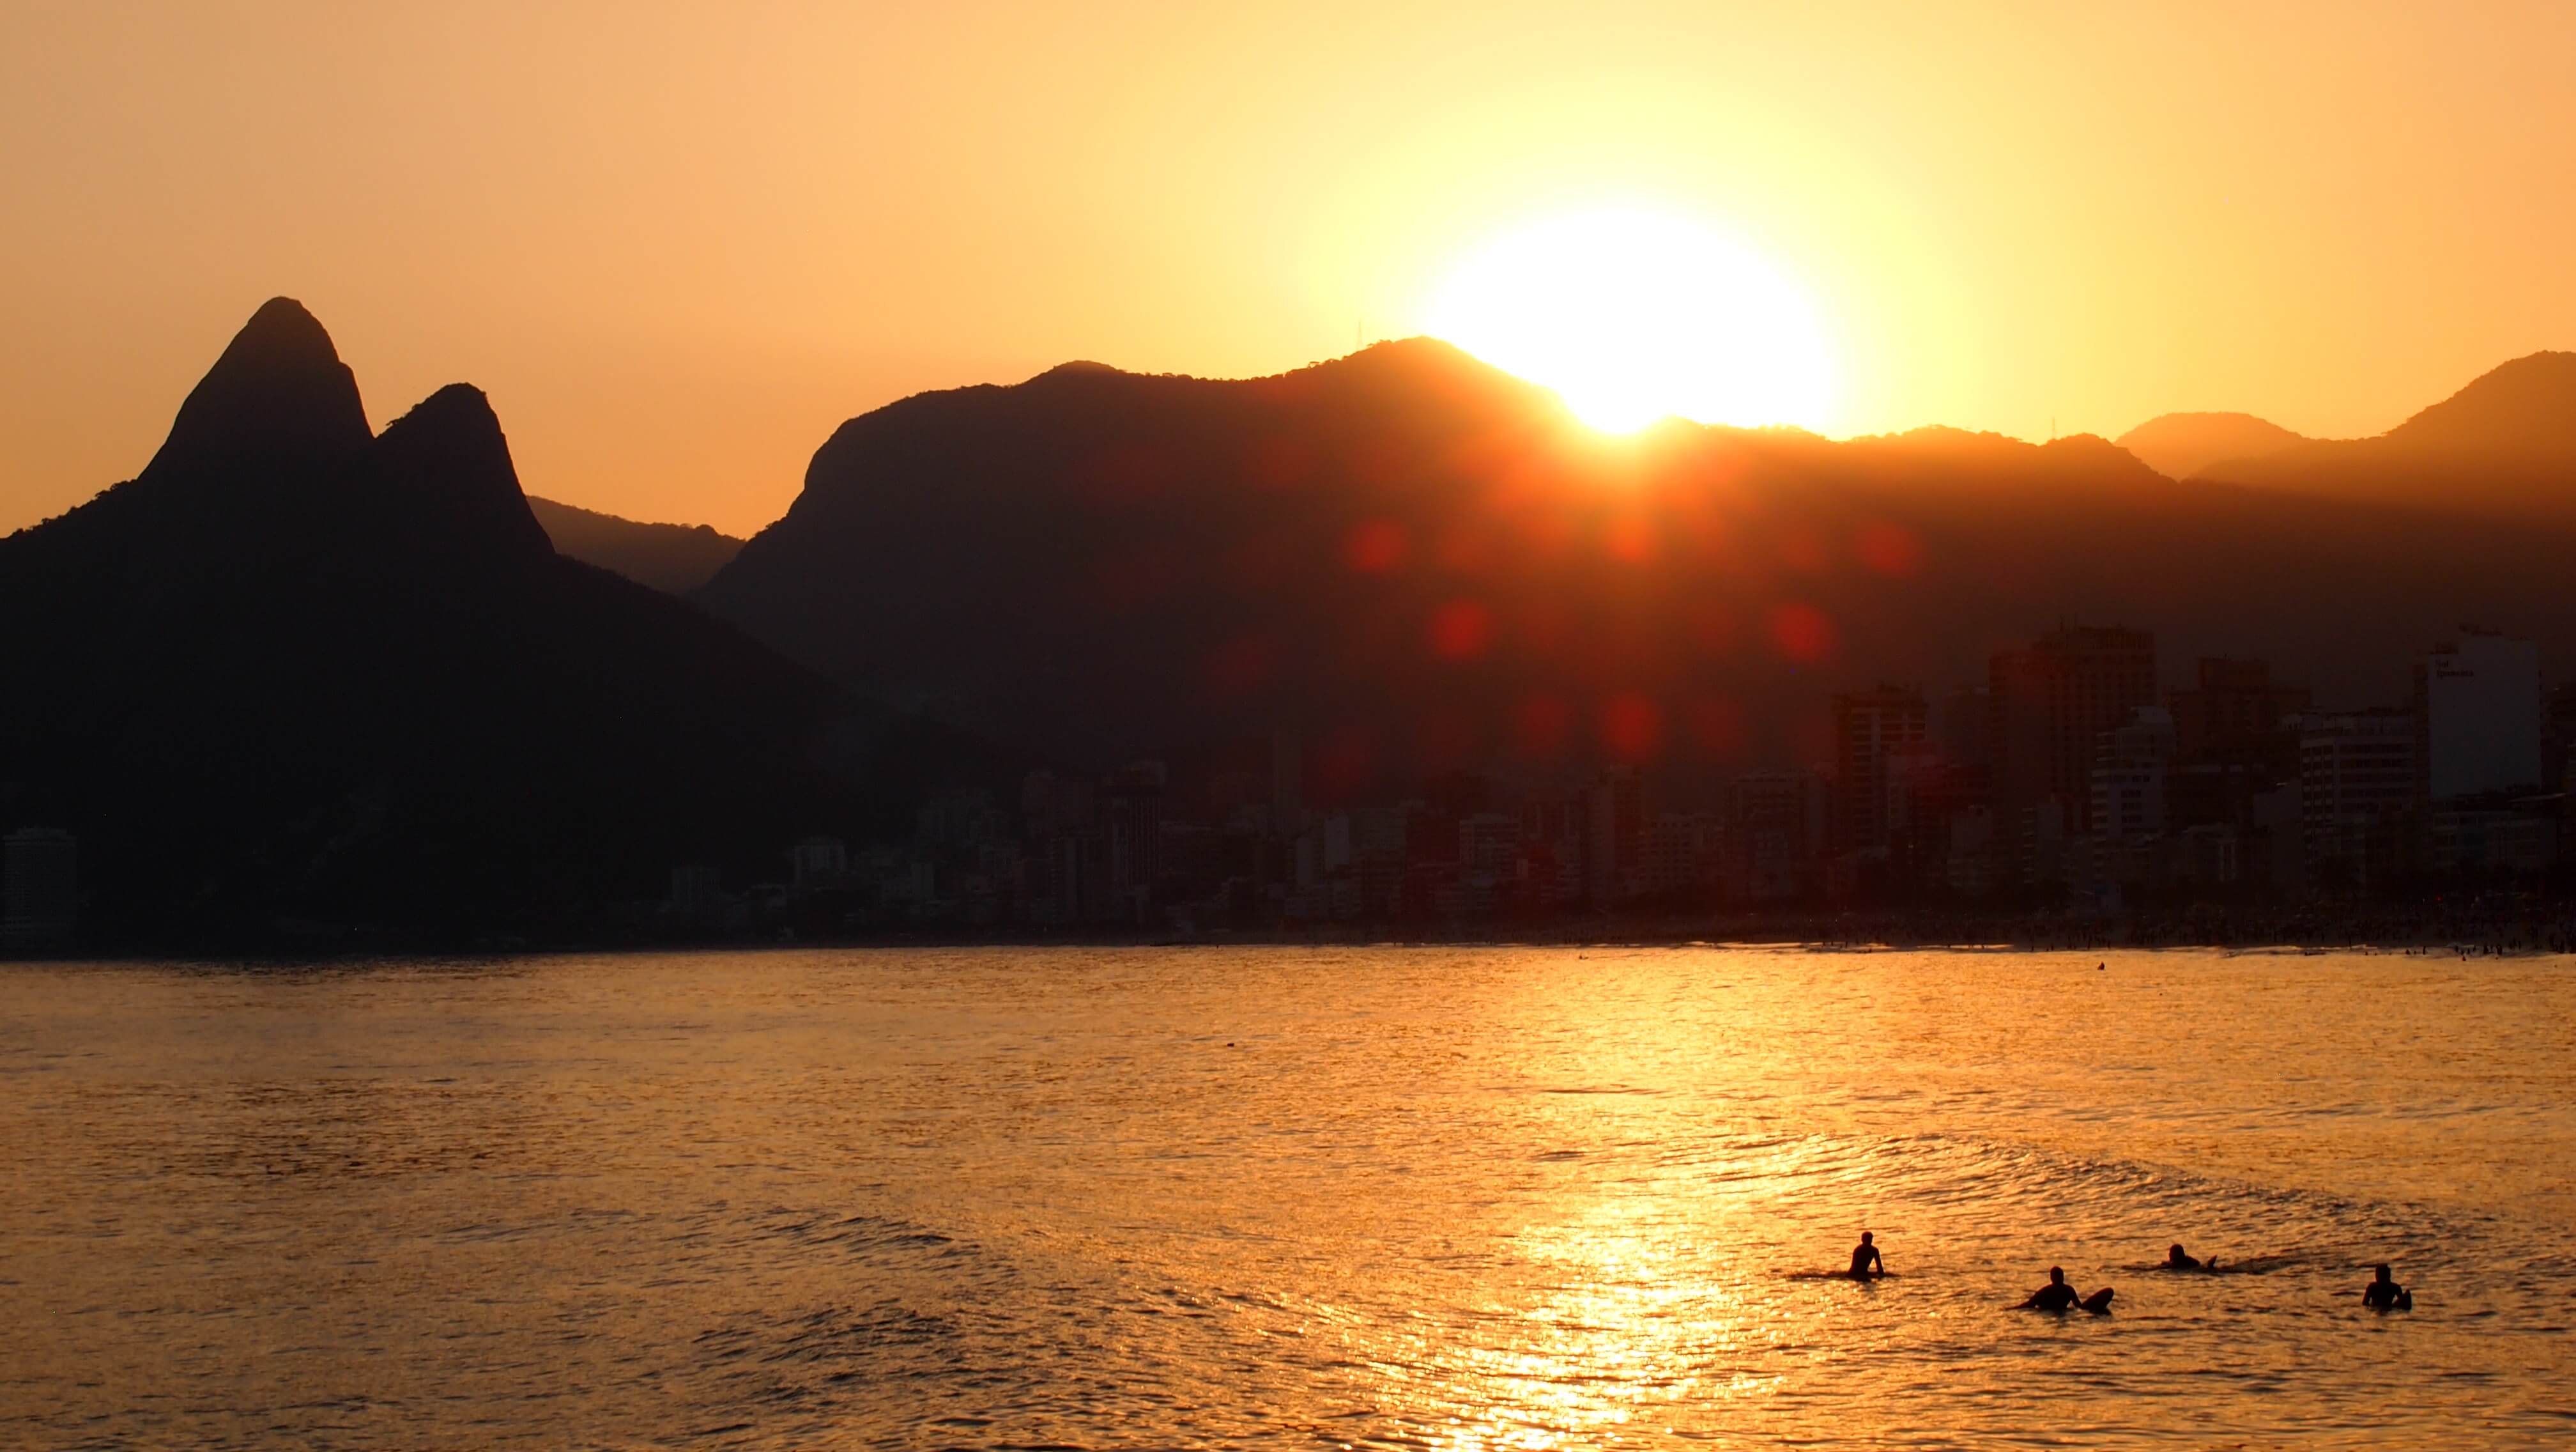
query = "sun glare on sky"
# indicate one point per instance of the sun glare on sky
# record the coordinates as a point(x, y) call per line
point(1632, 314)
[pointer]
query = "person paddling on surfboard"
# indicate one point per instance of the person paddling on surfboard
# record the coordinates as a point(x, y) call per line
point(2383, 1294)
point(1865, 1260)
point(2176, 1260)
point(2057, 1295)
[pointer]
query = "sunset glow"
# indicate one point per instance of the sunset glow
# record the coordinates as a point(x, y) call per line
point(1498, 726)
point(1635, 314)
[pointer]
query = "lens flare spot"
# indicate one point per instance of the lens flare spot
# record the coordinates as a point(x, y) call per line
point(1802, 633)
point(1374, 547)
point(1461, 630)
point(1632, 727)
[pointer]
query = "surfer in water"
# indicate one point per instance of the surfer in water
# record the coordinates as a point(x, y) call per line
point(2175, 1259)
point(2383, 1294)
point(1866, 1264)
point(2057, 1295)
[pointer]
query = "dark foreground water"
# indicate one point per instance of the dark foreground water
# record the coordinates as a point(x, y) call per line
point(1515, 1198)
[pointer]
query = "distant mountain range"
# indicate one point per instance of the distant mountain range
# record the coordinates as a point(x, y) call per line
point(2181, 445)
point(1416, 556)
point(297, 677)
point(2504, 448)
point(300, 681)
point(673, 558)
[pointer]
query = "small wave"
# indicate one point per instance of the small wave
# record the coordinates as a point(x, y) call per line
point(1601, 1089)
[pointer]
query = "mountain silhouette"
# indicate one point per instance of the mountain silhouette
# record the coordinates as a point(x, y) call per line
point(1419, 562)
point(277, 402)
point(295, 673)
point(673, 558)
point(2179, 445)
point(2504, 447)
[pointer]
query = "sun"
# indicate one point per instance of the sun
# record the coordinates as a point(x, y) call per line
point(1632, 314)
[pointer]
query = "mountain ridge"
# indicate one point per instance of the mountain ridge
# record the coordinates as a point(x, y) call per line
point(673, 558)
point(1101, 561)
point(2180, 445)
point(2503, 446)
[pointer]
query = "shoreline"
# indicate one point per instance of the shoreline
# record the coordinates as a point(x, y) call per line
point(2557, 939)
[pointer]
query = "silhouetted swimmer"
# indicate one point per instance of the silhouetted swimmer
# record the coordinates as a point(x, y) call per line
point(2383, 1294)
point(2057, 1295)
point(1865, 1260)
point(2175, 1259)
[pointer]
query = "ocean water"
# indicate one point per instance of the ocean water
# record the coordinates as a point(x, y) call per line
point(1274, 1197)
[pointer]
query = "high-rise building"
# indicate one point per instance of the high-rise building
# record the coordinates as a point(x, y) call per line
point(2052, 701)
point(1775, 826)
point(2128, 795)
point(2357, 776)
point(2479, 698)
point(39, 890)
point(1680, 849)
point(1871, 728)
point(1135, 822)
point(2233, 709)
point(1963, 725)
point(2558, 737)
point(1487, 841)
point(2128, 802)
point(1614, 836)
point(697, 891)
point(817, 863)
point(1287, 784)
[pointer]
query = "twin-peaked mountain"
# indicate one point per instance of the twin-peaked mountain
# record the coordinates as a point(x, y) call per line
point(1415, 561)
point(296, 671)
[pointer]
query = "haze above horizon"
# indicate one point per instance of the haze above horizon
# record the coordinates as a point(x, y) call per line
point(678, 246)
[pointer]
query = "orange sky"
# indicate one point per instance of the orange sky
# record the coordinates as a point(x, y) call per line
point(678, 243)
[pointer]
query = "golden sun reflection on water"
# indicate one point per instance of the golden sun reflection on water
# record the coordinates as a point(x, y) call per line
point(1623, 1324)
point(1453, 1198)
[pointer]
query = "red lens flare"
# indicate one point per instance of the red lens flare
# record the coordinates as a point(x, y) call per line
point(1461, 630)
point(1374, 547)
point(1802, 633)
point(1632, 727)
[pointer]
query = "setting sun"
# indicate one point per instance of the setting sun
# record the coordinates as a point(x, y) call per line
point(1633, 314)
